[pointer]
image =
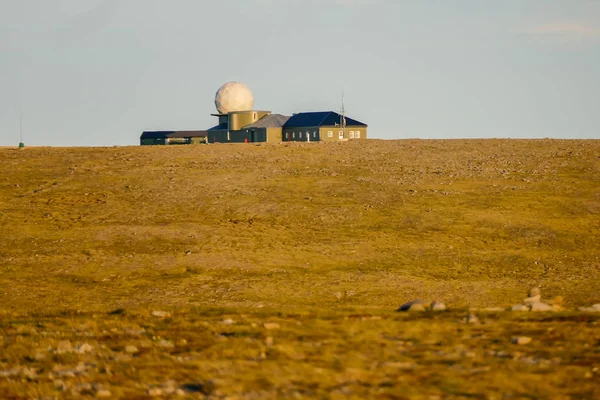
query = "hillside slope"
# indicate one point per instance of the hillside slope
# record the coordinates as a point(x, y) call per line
point(469, 222)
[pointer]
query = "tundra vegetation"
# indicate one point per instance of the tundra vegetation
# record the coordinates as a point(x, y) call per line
point(275, 271)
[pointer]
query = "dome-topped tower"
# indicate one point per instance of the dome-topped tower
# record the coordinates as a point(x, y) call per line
point(234, 96)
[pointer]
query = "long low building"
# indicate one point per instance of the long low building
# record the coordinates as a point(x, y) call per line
point(149, 138)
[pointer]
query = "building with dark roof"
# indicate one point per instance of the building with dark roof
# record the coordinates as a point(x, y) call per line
point(327, 126)
point(173, 137)
point(267, 129)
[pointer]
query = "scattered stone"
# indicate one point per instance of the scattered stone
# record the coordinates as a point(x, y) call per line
point(519, 307)
point(161, 314)
point(539, 306)
point(521, 340)
point(228, 321)
point(271, 325)
point(123, 358)
point(472, 319)
point(269, 341)
point(594, 308)
point(60, 385)
point(10, 372)
point(64, 346)
point(166, 344)
point(155, 392)
point(414, 305)
point(131, 349)
point(437, 306)
point(85, 348)
point(30, 373)
point(535, 292)
point(103, 393)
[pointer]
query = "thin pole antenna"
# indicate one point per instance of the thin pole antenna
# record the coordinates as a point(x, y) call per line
point(21, 144)
point(343, 118)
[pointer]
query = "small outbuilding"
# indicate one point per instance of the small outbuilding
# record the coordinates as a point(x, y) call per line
point(266, 129)
point(326, 126)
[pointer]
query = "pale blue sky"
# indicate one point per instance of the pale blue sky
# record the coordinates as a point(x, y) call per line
point(99, 72)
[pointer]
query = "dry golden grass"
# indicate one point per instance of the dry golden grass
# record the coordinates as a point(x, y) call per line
point(325, 239)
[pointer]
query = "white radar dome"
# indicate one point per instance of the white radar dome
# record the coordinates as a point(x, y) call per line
point(234, 96)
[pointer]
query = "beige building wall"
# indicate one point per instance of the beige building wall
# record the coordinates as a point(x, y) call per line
point(274, 135)
point(334, 133)
point(239, 119)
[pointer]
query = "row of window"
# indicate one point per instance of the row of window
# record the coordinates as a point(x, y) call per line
point(351, 134)
point(301, 135)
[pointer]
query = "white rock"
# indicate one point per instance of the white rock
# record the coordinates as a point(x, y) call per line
point(131, 349)
point(228, 321)
point(103, 393)
point(155, 392)
point(437, 306)
point(166, 344)
point(414, 305)
point(539, 306)
point(161, 314)
point(521, 340)
point(520, 307)
point(64, 346)
point(472, 319)
point(534, 292)
point(85, 348)
point(594, 308)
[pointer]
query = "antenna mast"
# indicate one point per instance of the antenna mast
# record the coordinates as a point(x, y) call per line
point(21, 144)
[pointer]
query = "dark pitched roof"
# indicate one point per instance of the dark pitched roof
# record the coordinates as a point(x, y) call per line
point(269, 121)
point(172, 134)
point(321, 118)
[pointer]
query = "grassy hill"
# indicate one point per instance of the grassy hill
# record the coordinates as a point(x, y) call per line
point(300, 233)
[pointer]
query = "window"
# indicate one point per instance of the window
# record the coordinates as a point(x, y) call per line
point(341, 134)
point(287, 135)
point(315, 134)
point(293, 135)
point(329, 134)
point(351, 135)
point(228, 137)
point(357, 134)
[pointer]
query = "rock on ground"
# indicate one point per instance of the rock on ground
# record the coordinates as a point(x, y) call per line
point(161, 314)
point(521, 340)
point(414, 305)
point(539, 306)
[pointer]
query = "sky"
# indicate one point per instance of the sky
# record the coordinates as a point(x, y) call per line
point(99, 72)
